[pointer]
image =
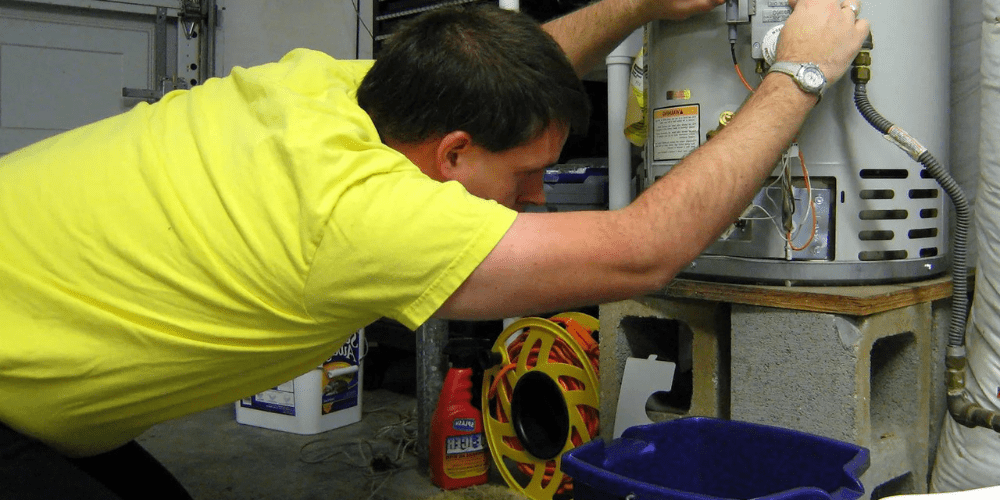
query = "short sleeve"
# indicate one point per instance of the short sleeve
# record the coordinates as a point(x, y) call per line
point(398, 244)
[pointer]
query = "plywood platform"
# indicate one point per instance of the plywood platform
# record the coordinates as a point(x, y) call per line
point(849, 300)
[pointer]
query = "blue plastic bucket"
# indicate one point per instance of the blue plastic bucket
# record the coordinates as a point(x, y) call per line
point(711, 459)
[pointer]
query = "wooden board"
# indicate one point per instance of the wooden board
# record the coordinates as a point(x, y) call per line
point(851, 300)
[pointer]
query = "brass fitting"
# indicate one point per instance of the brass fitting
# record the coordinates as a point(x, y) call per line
point(955, 366)
point(860, 68)
point(724, 119)
point(861, 71)
point(960, 406)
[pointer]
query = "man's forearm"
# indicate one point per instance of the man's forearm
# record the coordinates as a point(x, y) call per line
point(550, 261)
point(690, 206)
point(589, 34)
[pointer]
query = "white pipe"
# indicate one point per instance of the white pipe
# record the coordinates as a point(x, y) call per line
point(510, 4)
point(619, 64)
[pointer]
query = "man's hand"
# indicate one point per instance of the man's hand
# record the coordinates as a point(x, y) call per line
point(825, 32)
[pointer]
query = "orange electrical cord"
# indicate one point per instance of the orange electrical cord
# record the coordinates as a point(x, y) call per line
point(559, 353)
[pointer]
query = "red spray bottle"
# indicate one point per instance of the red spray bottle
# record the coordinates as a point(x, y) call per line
point(458, 454)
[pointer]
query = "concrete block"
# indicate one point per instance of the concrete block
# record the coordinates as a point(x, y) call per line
point(864, 380)
point(692, 333)
point(941, 311)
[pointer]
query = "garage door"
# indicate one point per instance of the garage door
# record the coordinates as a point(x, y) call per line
point(66, 63)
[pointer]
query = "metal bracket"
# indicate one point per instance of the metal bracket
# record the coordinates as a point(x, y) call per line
point(192, 13)
point(160, 77)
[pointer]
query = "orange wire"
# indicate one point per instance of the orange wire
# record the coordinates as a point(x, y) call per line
point(736, 64)
point(742, 79)
point(812, 208)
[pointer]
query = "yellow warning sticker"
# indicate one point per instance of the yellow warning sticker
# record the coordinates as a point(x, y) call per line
point(676, 131)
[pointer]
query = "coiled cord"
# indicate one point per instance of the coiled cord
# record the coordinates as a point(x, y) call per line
point(559, 352)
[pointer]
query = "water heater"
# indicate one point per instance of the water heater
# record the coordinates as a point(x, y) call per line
point(844, 205)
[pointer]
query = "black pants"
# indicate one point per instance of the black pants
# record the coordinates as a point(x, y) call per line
point(30, 470)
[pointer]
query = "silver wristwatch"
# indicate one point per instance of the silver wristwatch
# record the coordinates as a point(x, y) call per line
point(809, 77)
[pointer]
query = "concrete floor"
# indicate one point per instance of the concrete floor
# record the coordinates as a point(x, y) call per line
point(216, 458)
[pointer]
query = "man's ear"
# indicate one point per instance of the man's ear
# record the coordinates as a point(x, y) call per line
point(452, 151)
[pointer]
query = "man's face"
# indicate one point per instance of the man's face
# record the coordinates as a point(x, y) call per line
point(514, 177)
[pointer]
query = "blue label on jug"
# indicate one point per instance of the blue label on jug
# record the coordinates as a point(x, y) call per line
point(340, 378)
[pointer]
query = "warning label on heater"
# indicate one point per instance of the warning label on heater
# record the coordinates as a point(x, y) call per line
point(676, 131)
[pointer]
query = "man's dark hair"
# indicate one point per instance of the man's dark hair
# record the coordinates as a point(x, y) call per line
point(489, 72)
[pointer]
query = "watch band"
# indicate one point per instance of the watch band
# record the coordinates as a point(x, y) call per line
point(798, 72)
point(788, 68)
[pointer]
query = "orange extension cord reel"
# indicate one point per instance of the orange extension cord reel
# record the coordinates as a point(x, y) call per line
point(542, 400)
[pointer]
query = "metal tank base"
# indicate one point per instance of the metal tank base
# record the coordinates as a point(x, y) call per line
point(778, 272)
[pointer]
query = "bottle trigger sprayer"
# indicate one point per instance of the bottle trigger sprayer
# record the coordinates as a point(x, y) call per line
point(458, 454)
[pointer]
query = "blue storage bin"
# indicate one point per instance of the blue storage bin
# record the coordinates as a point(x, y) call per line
point(710, 459)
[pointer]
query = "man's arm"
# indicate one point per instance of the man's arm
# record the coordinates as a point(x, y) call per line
point(550, 261)
point(592, 32)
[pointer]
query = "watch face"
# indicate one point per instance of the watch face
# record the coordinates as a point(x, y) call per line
point(812, 78)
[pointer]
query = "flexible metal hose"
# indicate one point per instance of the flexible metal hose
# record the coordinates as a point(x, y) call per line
point(959, 250)
point(868, 111)
point(961, 407)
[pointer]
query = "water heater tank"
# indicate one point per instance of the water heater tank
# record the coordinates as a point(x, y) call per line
point(879, 217)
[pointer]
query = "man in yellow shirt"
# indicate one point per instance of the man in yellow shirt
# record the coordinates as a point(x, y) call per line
point(186, 254)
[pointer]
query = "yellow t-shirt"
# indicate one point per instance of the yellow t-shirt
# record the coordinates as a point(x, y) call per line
point(229, 238)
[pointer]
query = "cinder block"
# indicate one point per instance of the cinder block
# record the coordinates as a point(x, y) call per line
point(864, 380)
point(941, 311)
point(692, 333)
